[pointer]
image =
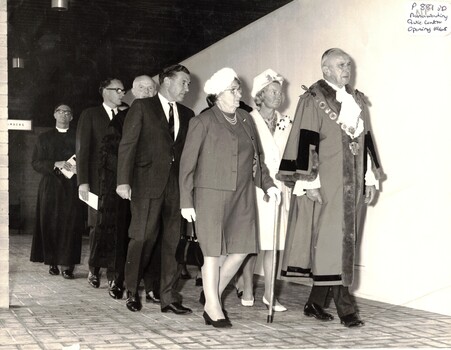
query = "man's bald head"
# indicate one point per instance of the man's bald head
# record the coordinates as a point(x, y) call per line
point(144, 86)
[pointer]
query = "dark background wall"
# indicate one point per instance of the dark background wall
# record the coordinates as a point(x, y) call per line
point(23, 180)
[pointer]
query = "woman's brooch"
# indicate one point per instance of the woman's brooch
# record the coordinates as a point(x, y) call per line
point(284, 122)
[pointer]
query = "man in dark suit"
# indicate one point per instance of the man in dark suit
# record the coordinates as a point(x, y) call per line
point(91, 130)
point(114, 212)
point(148, 168)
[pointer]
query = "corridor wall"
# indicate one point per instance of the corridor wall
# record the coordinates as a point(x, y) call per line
point(404, 250)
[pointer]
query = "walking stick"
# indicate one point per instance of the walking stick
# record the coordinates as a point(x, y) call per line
point(270, 317)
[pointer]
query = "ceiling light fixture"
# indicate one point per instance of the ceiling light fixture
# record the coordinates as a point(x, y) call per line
point(60, 5)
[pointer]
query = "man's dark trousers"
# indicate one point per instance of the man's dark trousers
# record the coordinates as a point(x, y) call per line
point(342, 298)
point(156, 213)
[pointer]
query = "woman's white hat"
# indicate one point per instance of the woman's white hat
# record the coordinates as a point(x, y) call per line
point(264, 79)
point(220, 81)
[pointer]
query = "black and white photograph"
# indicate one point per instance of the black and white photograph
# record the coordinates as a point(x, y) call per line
point(212, 174)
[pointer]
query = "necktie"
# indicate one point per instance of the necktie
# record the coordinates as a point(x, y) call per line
point(112, 114)
point(171, 120)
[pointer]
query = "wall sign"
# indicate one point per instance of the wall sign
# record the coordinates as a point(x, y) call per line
point(17, 124)
point(428, 18)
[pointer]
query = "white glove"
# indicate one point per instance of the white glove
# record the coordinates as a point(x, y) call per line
point(274, 194)
point(370, 193)
point(83, 191)
point(124, 191)
point(189, 214)
point(314, 195)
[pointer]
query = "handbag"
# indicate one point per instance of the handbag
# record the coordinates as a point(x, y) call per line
point(188, 250)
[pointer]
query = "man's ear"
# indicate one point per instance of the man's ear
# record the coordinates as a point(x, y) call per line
point(166, 81)
point(325, 70)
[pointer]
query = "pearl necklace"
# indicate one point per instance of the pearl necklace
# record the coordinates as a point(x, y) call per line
point(230, 120)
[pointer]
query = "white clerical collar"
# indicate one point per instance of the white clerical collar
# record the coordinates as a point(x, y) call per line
point(61, 129)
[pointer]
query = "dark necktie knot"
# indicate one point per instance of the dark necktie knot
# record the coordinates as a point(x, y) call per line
point(171, 119)
point(112, 114)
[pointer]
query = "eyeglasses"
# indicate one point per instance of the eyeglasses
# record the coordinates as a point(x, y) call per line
point(62, 111)
point(235, 90)
point(118, 90)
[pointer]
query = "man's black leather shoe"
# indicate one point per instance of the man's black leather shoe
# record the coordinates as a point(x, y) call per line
point(152, 297)
point(133, 302)
point(53, 270)
point(314, 310)
point(93, 280)
point(176, 308)
point(352, 320)
point(67, 274)
point(115, 291)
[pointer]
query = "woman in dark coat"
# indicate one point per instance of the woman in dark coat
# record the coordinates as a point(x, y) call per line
point(59, 224)
point(220, 165)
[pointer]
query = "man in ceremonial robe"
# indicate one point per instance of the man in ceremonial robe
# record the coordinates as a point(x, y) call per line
point(331, 157)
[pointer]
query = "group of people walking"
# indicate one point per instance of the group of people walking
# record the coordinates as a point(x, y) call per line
point(234, 175)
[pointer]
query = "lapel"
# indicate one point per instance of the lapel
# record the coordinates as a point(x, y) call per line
point(243, 118)
point(104, 115)
point(219, 119)
point(183, 123)
point(218, 116)
point(353, 92)
point(265, 135)
point(330, 96)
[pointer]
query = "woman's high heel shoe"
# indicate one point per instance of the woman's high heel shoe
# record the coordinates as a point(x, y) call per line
point(221, 323)
point(276, 307)
point(202, 301)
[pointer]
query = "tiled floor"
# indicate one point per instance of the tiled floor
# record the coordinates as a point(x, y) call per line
point(48, 312)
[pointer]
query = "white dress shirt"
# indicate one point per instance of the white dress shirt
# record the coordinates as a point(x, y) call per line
point(108, 111)
point(165, 103)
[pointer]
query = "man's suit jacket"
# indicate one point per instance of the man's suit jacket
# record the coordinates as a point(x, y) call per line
point(91, 129)
point(147, 151)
